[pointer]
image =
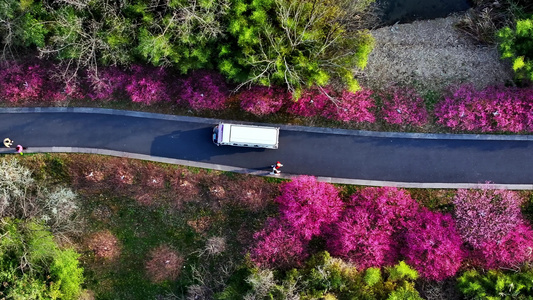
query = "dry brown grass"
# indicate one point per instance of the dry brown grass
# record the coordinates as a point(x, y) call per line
point(104, 245)
point(163, 264)
point(251, 192)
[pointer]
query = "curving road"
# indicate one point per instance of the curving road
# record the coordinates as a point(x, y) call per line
point(360, 157)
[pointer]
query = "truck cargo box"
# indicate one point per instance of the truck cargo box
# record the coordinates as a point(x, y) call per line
point(246, 135)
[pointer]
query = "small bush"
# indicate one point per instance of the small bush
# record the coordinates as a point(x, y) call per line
point(489, 110)
point(517, 44)
point(356, 107)
point(262, 100)
point(108, 84)
point(496, 284)
point(22, 82)
point(147, 85)
point(403, 106)
point(164, 264)
point(204, 90)
point(104, 245)
point(311, 102)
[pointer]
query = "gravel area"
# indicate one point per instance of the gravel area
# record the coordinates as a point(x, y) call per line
point(431, 54)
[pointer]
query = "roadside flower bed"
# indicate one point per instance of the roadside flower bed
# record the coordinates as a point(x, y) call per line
point(379, 226)
point(494, 109)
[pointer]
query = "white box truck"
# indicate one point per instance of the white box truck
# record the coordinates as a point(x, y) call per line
point(246, 135)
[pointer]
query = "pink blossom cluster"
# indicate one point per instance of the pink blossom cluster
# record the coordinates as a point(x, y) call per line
point(23, 82)
point(344, 106)
point(489, 110)
point(356, 107)
point(486, 214)
point(403, 106)
point(511, 251)
point(205, 90)
point(311, 102)
point(278, 245)
point(306, 206)
point(107, 83)
point(369, 229)
point(379, 226)
point(147, 85)
point(433, 246)
point(491, 223)
point(262, 100)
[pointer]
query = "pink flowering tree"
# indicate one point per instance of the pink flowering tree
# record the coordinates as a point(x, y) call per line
point(147, 85)
point(357, 238)
point(108, 83)
point(391, 208)
point(433, 246)
point(490, 221)
point(308, 205)
point(486, 214)
point(278, 246)
point(311, 103)
point(356, 107)
point(22, 81)
point(511, 251)
point(403, 106)
point(262, 100)
point(370, 230)
point(204, 90)
point(488, 110)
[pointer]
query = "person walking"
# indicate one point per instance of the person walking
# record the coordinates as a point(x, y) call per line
point(276, 168)
point(19, 149)
point(8, 142)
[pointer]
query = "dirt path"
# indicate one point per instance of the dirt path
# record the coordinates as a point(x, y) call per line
point(431, 54)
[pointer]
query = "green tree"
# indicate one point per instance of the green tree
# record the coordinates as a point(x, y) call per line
point(517, 45)
point(32, 266)
point(295, 43)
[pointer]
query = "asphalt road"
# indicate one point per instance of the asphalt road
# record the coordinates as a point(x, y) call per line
point(354, 156)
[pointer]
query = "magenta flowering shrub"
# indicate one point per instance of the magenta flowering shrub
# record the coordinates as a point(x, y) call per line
point(108, 84)
point(307, 205)
point(311, 103)
point(262, 100)
point(147, 85)
point(356, 237)
point(204, 90)
point(369, 232)
point(22, 81)
point(278, 246)
point(433, 246)
point(490, 221)
point(509, 252)
point(486, 215)
point(403, 106)
point(488, 110)
point(357, 107)
point(391, 208)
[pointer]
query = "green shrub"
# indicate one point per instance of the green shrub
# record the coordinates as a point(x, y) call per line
point(496, 284)
point(32, 266)
point(324, 277)
point(517, 45)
